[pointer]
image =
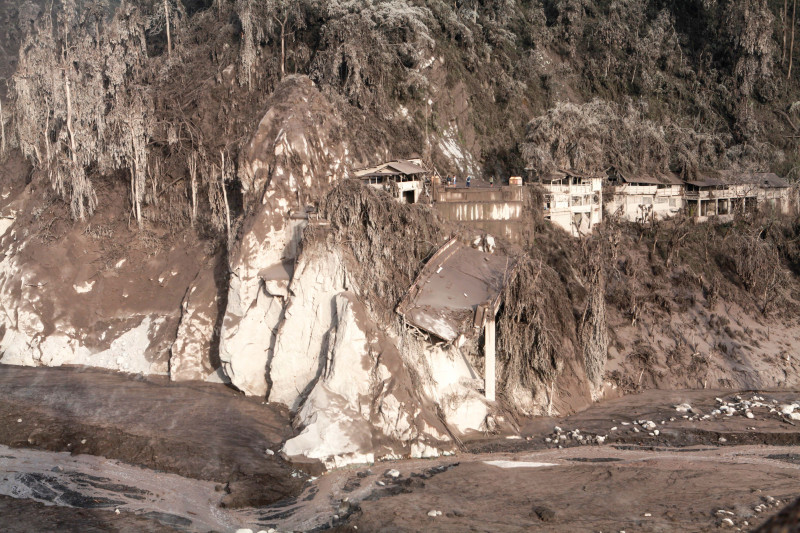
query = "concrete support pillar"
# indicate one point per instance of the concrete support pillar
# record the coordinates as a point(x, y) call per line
point(489, 363)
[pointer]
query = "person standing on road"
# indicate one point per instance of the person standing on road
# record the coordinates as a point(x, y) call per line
point(469, 180)
point(491, 181)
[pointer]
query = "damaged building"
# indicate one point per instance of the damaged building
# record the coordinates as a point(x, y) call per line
point(573, 201)
point(498, 210)
point(404, 179)
point(642, 197)
point(720, 194)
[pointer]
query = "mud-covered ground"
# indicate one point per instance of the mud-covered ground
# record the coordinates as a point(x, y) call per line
point(94, 451)
point(196, 430)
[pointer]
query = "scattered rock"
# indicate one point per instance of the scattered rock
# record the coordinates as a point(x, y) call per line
point(683, 408)
point(392, 473)
point(726, 522)
point(434, 513)
point(545, 514)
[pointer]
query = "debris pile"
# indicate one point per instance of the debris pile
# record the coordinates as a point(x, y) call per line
point(560, 437)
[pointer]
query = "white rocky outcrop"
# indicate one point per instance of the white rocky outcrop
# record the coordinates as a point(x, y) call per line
point(307, 331)
point(190, 354)
point(292, 160)
point(361, 406)
point(362, 393)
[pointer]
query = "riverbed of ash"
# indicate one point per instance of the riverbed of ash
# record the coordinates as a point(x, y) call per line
point(94, 451)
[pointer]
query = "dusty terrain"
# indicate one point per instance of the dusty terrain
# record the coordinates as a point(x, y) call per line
point(199, 431)
point(168, 457)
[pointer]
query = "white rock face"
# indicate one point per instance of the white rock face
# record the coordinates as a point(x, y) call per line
point(307, 331)
point(345, 414)
point(360, 403)
point(291, 162)
point(190, 354)
point(336, 415)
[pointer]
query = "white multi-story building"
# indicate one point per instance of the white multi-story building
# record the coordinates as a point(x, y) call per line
point(403, 179)
point(572, 201)
point(641, 198)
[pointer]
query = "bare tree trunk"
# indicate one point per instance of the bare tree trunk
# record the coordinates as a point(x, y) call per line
point(166, 20)
point(791, 46)
point(783, 24)
point(282, 24)
point(46, 138)
point(135, 185)
point(69, 118)
point(2, 130)
point(225, 197)
point(283, 48)
point(193, 175)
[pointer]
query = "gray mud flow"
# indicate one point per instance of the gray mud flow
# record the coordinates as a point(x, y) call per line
point(87, 450)
point(196, 430)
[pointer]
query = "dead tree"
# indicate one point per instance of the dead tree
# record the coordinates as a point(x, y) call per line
point(2, 130)
point(791, 45)
point(225, 195)
point(192, 165)
point(165, 16)
point(784, 28)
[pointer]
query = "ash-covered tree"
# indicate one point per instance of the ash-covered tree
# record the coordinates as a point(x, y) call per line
point(57, 93)
point(371, 52)
point(268, 20)
point(747, 27)
point(76, 101)
point(594, 136)
point(165, 15)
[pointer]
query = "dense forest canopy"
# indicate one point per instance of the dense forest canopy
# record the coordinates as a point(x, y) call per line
point(138, 90)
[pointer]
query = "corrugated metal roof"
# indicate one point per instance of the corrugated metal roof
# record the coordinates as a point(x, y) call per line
point(708, 182)
point(406, 167)
point(773, 181)
point(762, 179)
point(391, 168)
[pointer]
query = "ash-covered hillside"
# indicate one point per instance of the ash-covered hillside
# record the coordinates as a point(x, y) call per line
point(174, 201)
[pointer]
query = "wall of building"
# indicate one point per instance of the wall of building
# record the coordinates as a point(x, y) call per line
point(497, 210)
point(639, 202)
point(575, 208)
